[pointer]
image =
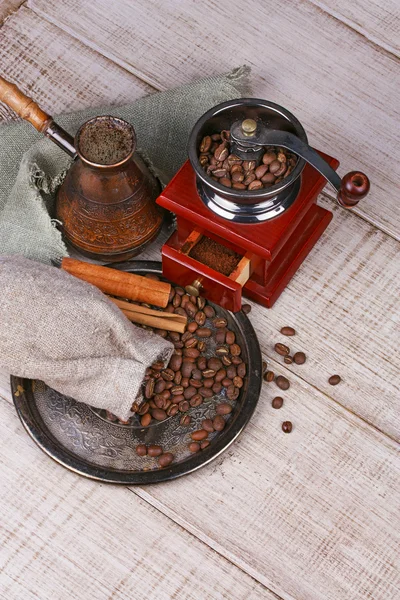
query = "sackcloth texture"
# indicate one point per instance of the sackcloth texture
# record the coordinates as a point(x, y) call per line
point(54, 327)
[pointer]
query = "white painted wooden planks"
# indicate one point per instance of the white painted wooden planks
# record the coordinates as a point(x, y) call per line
point(377, 21)
point(67, 537)
point(59, 72)
point(312, 514)
point(344, 89)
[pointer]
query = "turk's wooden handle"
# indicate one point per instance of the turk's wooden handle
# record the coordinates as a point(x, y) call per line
point(355, 186)
point(24, 106)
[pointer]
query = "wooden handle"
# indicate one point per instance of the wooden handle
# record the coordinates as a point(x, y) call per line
point(119, 283)
point(24, 106)
point(355, 186)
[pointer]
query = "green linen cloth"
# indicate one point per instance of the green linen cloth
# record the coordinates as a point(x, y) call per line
point(32, 167)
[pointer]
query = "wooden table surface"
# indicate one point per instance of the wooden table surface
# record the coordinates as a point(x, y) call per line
point(314, 515)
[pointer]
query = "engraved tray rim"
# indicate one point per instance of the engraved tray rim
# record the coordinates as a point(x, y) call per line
point(26, 409)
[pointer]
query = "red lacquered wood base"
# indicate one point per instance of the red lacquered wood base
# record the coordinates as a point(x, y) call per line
point(274, 249)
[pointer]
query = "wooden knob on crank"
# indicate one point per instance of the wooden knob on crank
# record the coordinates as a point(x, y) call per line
point(24, 106)
point(355, 186)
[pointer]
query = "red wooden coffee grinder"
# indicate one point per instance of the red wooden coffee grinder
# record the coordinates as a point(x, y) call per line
point(271, 229)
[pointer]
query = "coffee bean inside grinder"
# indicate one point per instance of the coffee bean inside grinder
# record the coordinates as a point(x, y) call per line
point(229, 170)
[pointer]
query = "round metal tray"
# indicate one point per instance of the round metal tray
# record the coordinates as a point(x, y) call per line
point(74, 435)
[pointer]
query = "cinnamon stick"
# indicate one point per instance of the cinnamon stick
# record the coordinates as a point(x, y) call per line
point(155, 322)
point(128, 306)
point(119, 283)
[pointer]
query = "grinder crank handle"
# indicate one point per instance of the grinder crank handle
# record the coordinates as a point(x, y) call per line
point(350, 190)
point(28, 110)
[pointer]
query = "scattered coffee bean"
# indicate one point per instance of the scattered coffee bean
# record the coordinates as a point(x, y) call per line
point(141, 450)
point(282, 382)
point(165, 459)
point(194, 447)
point(185, 420)
point(288, 331)
point(199, 435)
point(158, 414)
point(269, 376)
point(207, 425)
point(282, 349)
point(288, 359)
point(264, 366)
point(204, 444)
point(299, 358)
point(277, 402)
point(145, 420)
point(246, 308)
point(334, 379)
point(223, 409)
point(154, 450)
point(287, 426)
point(219, 423)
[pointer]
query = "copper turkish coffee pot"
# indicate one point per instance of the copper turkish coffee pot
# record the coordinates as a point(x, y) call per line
point(106, 202)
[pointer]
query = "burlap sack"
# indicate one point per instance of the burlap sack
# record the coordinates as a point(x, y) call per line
point(65, 332)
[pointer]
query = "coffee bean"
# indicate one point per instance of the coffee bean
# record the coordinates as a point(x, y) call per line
point(219, 423)
point(201, 346)
point(221, 351)
point(141, 449)
point(282, 382)
point(221, 152)
point(231, 372)
point(194, 447)
point(288, 331)
point(178, 377)
point(185, 382)
point(268, 178)
point(191, 343)
point(177, 399)
point(268, 158)
point(249, 165)
point(185, 420)
point(204, 444)
point(274, 166)
point(250, 177)
point(216, 388)
point(232, 394)
point(287, 426)
point(207, 425)
point(184, 406)
point(158, 414)
point(200, 318)
point(201, 302)
point(206, 392)
point(214, 363)
point(149, 389)
point(196, 374)
point(196, 400)
point(145, 420)
point(199, 435)
point(210, 312)
point(202, 363)
point(144, 408)
point(168, 374)
point(235, 349)
point(223, 409)
point(176, 301)
point(269, 376)
point(226, 382)
point(230, 337)
point(238, 382)
point(154, 450)
point(261, 170)
point(177, 389)
point(165, 459)
point(277, 402)
point(220, 336)
point(288, 360)
point(207, 373)
point(255, 185)
point(220, 375)
point(226, 360)
point(180, 291)
point(158, 365)
point(172, 410)
point(334, 379)
point(187, 368)
point(186, 336)
point(189, 392)
point(191, 309)
point(175, 362)
point(205, 144)
point(184, 300)
point(237, 177)
point(180, 311)
point(220, 322)
point(203, 332)
point(282, 349)
point(246, 308)
point(225, 181)
point(299, 358)
point(241, 370)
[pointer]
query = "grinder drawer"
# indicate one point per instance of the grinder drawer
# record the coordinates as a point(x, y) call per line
point(186, 270)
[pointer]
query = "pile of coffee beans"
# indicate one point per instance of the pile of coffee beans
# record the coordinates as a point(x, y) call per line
point(206, 361)
point(229, 170)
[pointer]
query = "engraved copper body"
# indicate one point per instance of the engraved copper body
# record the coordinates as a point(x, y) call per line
point(106, 203)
